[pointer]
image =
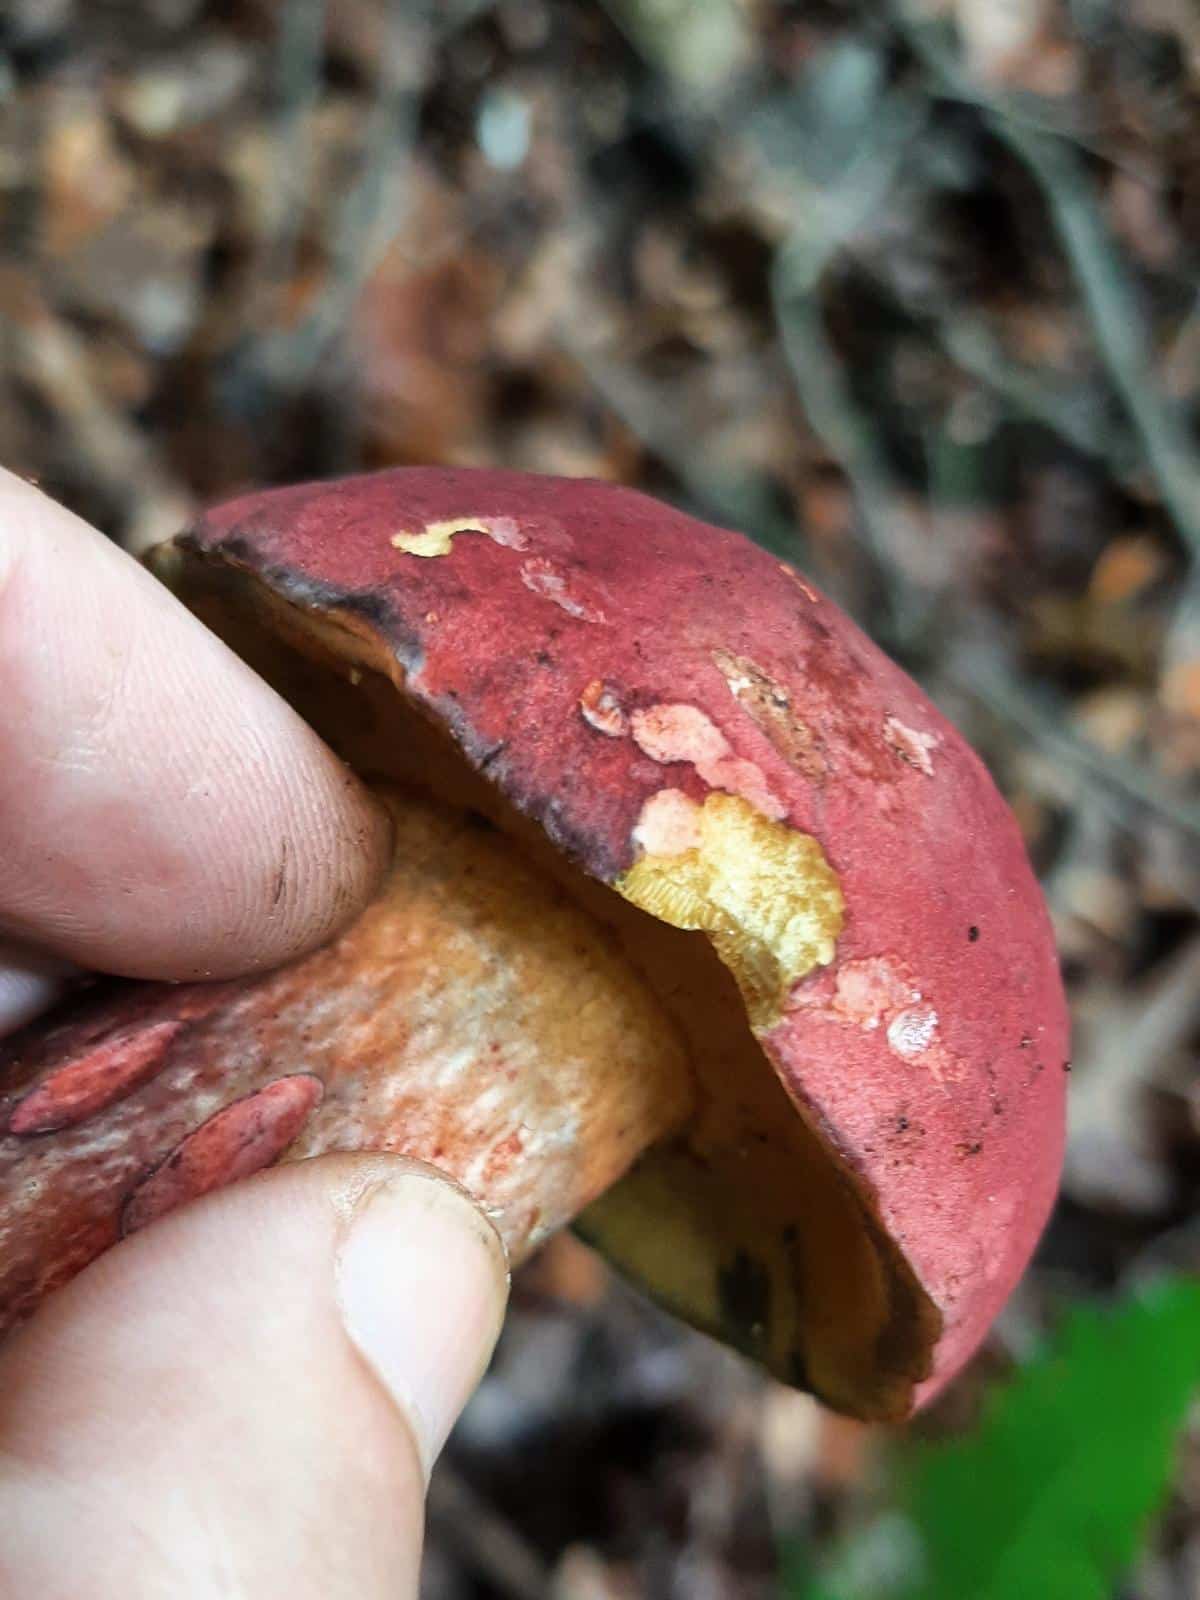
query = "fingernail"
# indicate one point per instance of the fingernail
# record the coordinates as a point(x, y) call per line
point(422, 1284)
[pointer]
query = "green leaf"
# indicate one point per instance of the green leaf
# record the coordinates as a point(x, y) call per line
point(1050, 1495)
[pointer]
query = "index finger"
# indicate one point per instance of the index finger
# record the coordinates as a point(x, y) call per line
point(163, 813)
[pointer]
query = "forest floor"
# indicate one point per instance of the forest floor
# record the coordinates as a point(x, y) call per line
point(910, 293)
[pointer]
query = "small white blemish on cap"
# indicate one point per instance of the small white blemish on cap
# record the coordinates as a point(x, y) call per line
point(669, 824)
point(910, 745)
point(911, 1032)
point(540, 578)
point(681, 732)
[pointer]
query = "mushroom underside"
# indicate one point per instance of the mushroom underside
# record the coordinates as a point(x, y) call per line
point(733, 1211)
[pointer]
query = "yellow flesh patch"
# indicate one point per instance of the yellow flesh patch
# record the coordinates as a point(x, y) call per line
point(436, 538)
point(763, 892)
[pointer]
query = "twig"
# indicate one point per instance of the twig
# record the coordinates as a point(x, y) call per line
point(739, 502)
point(298, 81)
point(1152, 1021)
point(1025, 708)
point(795, 277)
point(973, 347)
point(958, 90)
point(361, 227)
point(1107, 290)
point(484, 1540)
point(1121, 336)
point(49, 355)
point(1126, 1047)
point(848, 435)
point(1182, 643)
point(700, 46)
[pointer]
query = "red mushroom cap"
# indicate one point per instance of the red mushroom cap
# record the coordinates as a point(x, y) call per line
point(692, 723)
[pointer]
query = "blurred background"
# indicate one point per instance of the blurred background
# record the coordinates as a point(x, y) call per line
point(909, 292)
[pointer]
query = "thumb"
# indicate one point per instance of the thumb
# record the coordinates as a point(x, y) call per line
point(247, 1397)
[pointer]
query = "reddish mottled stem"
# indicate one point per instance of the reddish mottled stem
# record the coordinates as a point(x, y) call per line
point(473, 1017)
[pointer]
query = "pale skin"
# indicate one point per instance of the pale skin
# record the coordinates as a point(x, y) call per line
point(247, 1398)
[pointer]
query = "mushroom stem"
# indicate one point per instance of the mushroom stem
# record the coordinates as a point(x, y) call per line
point(474, 1017)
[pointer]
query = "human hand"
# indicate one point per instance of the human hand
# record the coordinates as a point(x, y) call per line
point(247, 1397)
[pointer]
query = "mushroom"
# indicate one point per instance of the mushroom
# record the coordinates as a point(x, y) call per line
point(705, 932)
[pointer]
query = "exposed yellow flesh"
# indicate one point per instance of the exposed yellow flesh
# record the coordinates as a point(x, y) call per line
point(763, 892)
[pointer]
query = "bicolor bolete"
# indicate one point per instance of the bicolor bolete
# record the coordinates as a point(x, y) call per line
point(705, 932)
